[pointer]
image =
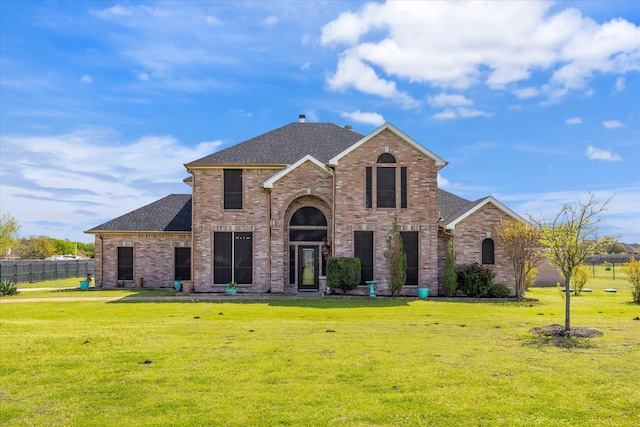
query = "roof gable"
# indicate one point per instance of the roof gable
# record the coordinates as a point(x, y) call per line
point(285, 146)
point(169, 214)
point(476, 206)
point(440, 163)
point(308, 158)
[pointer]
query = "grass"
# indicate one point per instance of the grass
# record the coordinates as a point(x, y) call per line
point(331, 361)
point(65, 288)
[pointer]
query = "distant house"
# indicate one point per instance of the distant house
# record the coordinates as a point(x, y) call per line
point(266, 213)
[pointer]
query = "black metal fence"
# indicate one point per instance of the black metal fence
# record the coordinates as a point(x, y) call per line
point(608, 266)
point(23, 271)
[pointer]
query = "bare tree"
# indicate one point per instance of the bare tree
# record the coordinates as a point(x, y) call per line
point(569, 238)
point(521, 243)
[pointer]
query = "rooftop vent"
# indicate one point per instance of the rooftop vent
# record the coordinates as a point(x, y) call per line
point(348, 127)
point(302, 118)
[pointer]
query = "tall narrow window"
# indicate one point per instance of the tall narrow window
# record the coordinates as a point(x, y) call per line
point(182, 259)
point(363, 249)
point(233, 188)
point(368, 187)
point(232, 257)
point(292, 264)
point(410, 244)
point(403, 187)
point(488, 251)
point(386, 187)
point(125, 263)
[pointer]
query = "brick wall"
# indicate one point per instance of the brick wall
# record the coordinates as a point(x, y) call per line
point(469, 234)
point(153, 258)
point(421, 214)
point(209, 216)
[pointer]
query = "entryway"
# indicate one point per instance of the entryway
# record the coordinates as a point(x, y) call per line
point(308, 268)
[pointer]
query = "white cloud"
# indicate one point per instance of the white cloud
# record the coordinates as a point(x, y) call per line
point(271, 20)
point(89, 176)
point(460, 113)
point(612, 124)
point(443, 182)
point(143, 76)
point(498, 44)
point(527, 92)
point(358, 116)
point(594, 153)
point(352, 72)
point(86, 79)
point(446, 100)
point(573, 121)
point(621, 84)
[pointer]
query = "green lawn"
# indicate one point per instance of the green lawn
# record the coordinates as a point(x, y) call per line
point(331, 361)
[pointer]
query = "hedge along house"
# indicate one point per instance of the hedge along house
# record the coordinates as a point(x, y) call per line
point(266, 213)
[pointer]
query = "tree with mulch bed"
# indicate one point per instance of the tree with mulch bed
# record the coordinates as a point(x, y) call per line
point(570, 237)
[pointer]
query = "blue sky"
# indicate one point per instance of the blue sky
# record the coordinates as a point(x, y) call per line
point(101, 103)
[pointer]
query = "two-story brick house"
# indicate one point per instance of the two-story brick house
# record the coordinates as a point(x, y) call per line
point(266, 213)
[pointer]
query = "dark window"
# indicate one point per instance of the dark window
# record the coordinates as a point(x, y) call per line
point(233, 188)
point(183, 264)
point(363, 249)
point(410, 244)
point(386, 158)
point(222, 257)
point(368, 187)
point(292, 264)
point(243, 258)
point(386, 187)
point(403, 187)
point(232, 257)
point(308, 216)
point(488, 251)
point(125, 263)
point(307, 235)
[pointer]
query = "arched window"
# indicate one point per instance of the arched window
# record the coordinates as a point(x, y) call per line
point(488, 251)
point(308, 224)
point(386, 158)
point(386, 186)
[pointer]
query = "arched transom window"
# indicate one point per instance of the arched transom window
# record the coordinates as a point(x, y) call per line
point(308, 224)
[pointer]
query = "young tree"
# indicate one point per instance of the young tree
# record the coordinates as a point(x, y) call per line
point(8, 233)
point(450, 284)
point(632, 270)
point(521, 243)
point(569, 238)
point(396, 260)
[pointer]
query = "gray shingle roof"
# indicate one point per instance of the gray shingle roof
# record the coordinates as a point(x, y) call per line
point(286, 145)
point(171, 213)
point(452, 206)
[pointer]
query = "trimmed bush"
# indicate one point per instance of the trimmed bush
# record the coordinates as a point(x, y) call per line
point(343, 273)
point(7, 287)
point(498, 290)
point(475, 279)
point(450, 285)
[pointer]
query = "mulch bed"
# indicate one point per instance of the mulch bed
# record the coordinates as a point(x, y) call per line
point(559, 331)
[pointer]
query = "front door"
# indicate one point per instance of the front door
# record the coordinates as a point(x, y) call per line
point(308, 270)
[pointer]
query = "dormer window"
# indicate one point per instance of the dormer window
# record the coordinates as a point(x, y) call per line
point(385, 183)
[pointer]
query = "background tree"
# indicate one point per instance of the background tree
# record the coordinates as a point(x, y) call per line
point(35, 247)
point(569, 238)
point(396, 260)
point(9, 228)
point(632, 270)
point(612, 246)
point(521, 243)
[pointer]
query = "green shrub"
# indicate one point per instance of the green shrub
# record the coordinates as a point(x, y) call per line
point(498, 290)
point(396, 260)
point(343, 273)
point(7, 287)
point(450, 284)
point(475, 279)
